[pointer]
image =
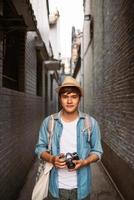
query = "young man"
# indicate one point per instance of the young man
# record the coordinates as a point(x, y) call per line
point(70, 178)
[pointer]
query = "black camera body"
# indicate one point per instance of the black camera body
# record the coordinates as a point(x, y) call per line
point(69, 157)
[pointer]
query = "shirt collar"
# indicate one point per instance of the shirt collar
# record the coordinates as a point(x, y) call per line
point(56, 116)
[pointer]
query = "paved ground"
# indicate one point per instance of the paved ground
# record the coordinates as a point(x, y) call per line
point(103, 188)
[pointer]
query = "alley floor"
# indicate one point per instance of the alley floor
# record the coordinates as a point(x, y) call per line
point(103, 188)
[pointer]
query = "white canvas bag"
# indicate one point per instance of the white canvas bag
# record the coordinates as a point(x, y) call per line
point(41, 187)
point(40, 190)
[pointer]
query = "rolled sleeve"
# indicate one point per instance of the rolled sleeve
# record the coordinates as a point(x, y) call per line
point(42, 144)
point(95, 140)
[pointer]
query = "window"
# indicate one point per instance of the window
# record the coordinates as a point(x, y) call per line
point(13, 49)
point(51, 87)
point(11, 54)
point(39, 74)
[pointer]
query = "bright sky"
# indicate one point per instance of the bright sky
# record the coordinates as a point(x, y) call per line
point(71, 14)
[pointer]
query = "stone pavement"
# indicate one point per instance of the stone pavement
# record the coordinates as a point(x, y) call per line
point(103, 188)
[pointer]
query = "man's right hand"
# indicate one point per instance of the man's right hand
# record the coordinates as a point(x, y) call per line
point(59, 161)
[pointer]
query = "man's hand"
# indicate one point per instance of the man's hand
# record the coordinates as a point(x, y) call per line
point(82, 163)
point(59, 162)
point(78, 164)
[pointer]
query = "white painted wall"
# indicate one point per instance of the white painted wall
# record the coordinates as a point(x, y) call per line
point(71, 14)
point(40, 11)
point(55, 39)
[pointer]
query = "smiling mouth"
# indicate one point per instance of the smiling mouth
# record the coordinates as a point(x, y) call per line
point(70, 106)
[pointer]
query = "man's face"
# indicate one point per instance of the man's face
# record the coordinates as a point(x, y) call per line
point(70, 102)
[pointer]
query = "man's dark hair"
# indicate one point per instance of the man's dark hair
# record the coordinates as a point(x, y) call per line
point(70, 89)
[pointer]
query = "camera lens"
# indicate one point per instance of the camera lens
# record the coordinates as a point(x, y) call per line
point(70, 164)
point(69, 161)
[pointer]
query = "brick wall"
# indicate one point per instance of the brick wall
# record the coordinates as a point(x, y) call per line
point(31, 63)
point(20, 117)
point(119, 76)
point(1, 60)
point(112, 100)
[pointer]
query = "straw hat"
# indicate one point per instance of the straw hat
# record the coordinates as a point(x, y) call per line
point(71, 82)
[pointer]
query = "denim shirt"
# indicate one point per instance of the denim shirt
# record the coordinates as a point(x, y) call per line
point(85, 146)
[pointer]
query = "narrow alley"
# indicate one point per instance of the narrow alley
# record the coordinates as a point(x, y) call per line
point(103, 187)
point(42, 42)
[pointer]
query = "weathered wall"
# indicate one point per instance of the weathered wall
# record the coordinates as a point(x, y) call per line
point(20, 118)
point(86, 60)
point(112, 81)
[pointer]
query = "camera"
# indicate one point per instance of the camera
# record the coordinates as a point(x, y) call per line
point(69, 157)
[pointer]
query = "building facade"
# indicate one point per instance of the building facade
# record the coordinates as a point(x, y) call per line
point(108, 71)
point(24, 86)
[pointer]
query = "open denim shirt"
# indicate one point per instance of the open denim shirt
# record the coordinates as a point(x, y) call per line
point(85, 146)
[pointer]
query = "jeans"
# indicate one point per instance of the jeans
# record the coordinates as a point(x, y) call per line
point(66, 195)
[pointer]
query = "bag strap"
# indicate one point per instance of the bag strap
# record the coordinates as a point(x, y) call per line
point(50, 131)
point(88, 124)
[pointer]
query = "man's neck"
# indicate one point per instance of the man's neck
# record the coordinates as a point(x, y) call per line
point(68, 117)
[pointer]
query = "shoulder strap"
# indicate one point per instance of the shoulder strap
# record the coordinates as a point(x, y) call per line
point(50, 130)
point(88, 124)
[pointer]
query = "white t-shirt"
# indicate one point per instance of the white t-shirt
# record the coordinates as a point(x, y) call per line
point(68, 143)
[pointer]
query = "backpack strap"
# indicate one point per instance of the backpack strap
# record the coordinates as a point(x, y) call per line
point(51, 124)
point(87, 124)
point(50, 131)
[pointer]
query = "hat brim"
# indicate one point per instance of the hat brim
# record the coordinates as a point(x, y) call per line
point(68, 85)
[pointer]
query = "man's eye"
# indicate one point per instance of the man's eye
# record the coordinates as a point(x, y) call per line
point(75, 96)
point(71, 97)
point(65, 97)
